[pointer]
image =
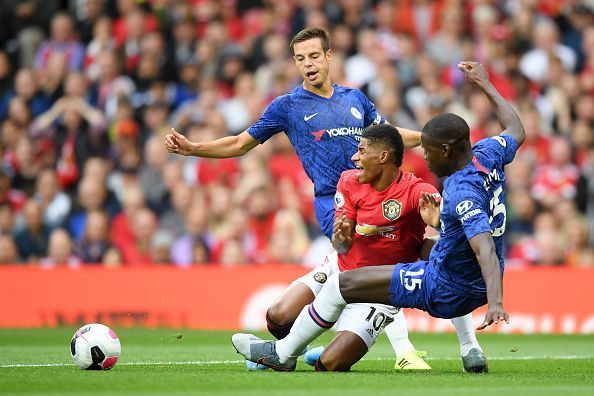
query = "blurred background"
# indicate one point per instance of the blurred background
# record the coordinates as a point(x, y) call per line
point(89, 88)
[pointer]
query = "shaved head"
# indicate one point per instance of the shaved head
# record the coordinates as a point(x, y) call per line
point(446, 128)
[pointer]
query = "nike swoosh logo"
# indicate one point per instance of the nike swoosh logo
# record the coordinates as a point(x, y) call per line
point(309, 117)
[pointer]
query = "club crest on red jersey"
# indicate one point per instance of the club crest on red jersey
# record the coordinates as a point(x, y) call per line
point(391, 209)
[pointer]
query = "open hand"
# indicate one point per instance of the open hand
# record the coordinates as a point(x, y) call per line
point(342, 235)
point(429, 207)
point(494, 315)
point(177, 143)
point(474, 72)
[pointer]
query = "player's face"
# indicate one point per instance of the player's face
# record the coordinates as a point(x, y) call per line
point(434, 156)
point(311, 61)
point(367, 160)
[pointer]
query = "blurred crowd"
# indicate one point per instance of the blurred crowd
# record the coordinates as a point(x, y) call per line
point(88, 88)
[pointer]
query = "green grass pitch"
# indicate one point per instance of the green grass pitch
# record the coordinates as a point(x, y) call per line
point(175, 362)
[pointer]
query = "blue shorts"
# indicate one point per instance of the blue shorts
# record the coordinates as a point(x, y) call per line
point(324, 208)
point(414, 285)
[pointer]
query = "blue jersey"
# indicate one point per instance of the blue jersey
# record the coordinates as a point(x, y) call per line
point(473, 202)
point(325, 132)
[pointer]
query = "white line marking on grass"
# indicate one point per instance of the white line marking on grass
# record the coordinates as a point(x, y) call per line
point(217, 362)
point(194, 363)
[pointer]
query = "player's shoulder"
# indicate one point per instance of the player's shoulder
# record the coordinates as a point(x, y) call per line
point(496, 144)
point(344, 90)
point(287, 97)
point(290, 97)
point(414, 183)
point(349, 177)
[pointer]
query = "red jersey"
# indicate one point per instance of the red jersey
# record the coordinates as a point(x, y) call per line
point(388, 225)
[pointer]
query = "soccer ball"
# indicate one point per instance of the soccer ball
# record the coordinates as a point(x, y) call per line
point(95, 347)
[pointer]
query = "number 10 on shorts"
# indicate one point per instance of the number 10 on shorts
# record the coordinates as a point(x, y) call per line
point(411, 279)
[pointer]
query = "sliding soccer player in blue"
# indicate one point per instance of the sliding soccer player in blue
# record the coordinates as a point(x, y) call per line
point(324, 123)
point(465, 267)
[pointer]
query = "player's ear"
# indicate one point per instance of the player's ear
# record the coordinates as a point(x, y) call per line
point(384, 156)
point(329, 54)
point(446, 150)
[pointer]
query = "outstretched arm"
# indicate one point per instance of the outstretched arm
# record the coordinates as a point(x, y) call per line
point(484, 248)
point(229, 146)
point(410, 138)
point(508, 118)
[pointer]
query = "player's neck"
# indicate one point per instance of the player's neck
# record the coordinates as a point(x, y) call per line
point(463, 161)
point(326, 90)
point(385, 180)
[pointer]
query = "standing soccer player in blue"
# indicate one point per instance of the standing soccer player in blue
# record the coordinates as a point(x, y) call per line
point(324, 123)
point(465, 267)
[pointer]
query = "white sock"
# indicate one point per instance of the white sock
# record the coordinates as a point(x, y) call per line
point(397, 333)
point(313, 320)
point(465, 332)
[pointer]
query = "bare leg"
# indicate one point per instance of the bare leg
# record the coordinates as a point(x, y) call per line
point(367, 285)
point(283, 312)
point(343, 351)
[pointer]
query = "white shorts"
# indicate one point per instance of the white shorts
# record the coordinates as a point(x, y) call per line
point(365, 320)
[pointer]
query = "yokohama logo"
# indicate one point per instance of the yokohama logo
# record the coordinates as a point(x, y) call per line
point(333, 132)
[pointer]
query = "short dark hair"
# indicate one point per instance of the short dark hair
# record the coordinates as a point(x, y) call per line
point(389, 136)
point(447, 127)
point(311, 33)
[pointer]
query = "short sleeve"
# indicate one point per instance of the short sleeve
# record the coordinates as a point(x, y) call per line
point(419, 188)
point(342, 199)
point(502, 147)
point(371, 115)
point(469, 209)
point(271, 122)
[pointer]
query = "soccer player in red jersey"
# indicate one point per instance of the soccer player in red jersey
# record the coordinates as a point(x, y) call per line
point(378, 220)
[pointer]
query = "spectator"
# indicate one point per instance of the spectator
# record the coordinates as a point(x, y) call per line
point(196, 239)
point(54, 202)
point(111, 85)
point(288, 240)
point(151, 175)
point(60, 251)
point(535, 63)
point(26, 87)
point(578, 252)
point(7, 219)
point(444, 46)
point(62, 40)
point(27, 21)
point(8, 250)
point(172, 219)
point(26, 166)
point(94, 244)
point(138, 253)
point(361, 68)
point(161, 245)
point(8, 195)
point(122, 226)
point(77, 131)
point(32, 240)
point(113, 258)
point(102, 41)
point(91, 196)
point(558, 179)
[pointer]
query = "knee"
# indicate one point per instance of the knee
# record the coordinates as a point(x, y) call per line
point(280, 313)
point(333, 361)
